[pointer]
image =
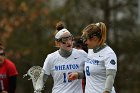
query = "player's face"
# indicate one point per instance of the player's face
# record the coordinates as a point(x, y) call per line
point(66, 41)
point(92, 42)
point(1, 57)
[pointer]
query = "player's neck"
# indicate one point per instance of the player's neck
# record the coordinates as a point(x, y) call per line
point(98, 48)
point(64, 53)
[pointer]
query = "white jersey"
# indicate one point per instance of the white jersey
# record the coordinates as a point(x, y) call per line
point(59, 68)
point(95, 69)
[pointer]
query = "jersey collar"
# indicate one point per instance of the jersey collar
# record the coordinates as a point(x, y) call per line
point(97, 49)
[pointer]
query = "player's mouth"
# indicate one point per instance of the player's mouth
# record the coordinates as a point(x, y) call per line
point(68, 45)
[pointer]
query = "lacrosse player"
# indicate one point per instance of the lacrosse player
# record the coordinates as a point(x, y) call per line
point(8, 74)
point(62, 62)
point(101, 67)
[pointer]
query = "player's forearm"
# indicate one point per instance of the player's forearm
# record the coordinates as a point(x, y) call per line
point(81, 75)
point(110, 73)
point(12, 84)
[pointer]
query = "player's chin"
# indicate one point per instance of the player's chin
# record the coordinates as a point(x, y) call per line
point(69, 48)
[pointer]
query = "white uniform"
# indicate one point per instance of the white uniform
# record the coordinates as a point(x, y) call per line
point(60, 67)
point(95, 69)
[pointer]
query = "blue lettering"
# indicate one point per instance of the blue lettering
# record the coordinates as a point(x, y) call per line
point(63, 67)
point(95, 62)
point(56, 68)
point(67, 67)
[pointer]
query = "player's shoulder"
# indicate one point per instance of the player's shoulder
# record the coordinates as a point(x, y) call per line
point(53, 54)
point(108, 51)
point(80, 52)
point(9, 63)
point(51, 57)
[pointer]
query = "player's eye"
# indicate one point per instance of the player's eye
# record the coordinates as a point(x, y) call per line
point(65, 39)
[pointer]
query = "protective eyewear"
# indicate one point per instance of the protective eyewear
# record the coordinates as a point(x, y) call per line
point(65, 39)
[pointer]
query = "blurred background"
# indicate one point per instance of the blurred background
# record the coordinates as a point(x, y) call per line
point(27, 30)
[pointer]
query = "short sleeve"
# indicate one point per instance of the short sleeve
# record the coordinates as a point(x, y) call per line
point(47, 66)
point(111, 61)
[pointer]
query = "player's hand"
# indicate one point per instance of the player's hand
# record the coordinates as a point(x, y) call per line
point(73, 76)
point(4, 92)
